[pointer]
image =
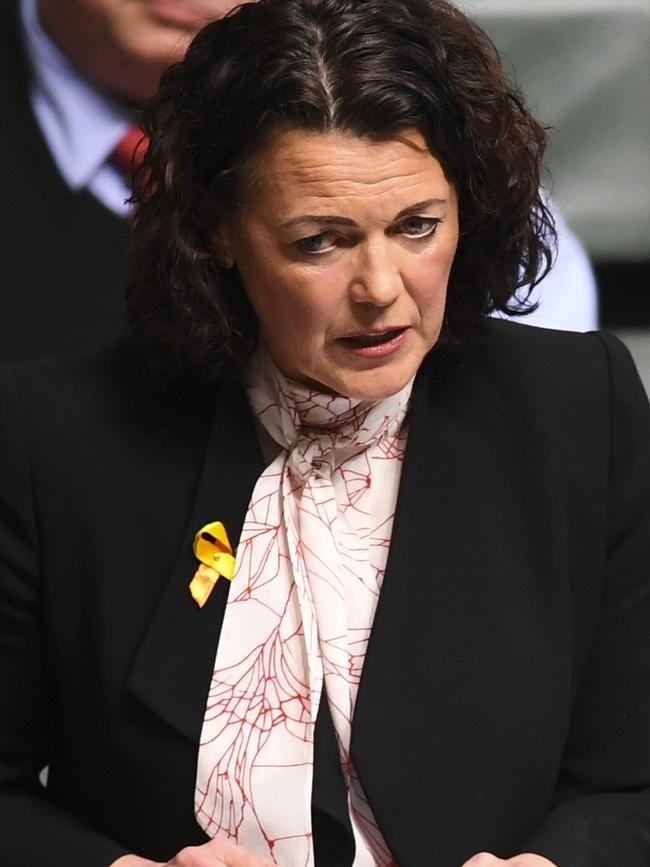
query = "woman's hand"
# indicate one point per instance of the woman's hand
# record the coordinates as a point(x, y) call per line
point(484, 859)
point(216, 853)
point(223, 853)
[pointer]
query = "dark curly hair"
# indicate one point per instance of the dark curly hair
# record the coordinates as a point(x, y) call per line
point(372, 68)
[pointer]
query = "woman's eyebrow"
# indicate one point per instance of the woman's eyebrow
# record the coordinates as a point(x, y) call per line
point(319, 218)
point(329, 220)
point(420, 206)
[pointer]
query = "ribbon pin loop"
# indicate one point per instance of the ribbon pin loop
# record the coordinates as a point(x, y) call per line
point(214, 552)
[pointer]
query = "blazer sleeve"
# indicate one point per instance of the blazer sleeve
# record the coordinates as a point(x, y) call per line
point(602, 813)
point(32, 830)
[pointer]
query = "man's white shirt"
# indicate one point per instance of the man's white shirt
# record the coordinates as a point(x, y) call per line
point(80, 124)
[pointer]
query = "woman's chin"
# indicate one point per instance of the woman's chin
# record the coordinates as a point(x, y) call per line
point(381, 380)
point(362, 378)
point(373, 384)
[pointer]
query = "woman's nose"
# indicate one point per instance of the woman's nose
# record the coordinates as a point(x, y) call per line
point(377, 279)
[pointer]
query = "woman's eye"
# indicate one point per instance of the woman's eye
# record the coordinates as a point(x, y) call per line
point(315, 244)
point(419, 227)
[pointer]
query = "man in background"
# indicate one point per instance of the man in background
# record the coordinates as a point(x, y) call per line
point(72, 73)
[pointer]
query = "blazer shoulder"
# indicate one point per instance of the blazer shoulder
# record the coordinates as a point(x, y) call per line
point(553, 370)
point(70, 386)
point(75, 408)
point(536, 350)
point(563, 387)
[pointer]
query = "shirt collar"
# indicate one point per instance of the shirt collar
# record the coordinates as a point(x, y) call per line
point(82, 125)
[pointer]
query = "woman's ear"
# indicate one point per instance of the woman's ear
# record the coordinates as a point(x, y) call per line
point(217, 231)
point(225, 260)
point(222, 245)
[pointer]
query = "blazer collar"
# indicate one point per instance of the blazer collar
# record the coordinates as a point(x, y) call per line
point(172, 669)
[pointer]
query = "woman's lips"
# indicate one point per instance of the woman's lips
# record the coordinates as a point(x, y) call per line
point(183, 12)
point(376, 343)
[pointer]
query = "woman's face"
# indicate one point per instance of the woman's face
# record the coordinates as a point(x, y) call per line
point(345, 246)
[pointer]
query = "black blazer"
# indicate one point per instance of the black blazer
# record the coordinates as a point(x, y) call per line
point(505, 698)
point(63, 253)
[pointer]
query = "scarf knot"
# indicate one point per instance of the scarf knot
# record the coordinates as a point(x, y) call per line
point(306, 458)
point(320, 431)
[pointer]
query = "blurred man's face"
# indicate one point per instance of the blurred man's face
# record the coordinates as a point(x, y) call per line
point(126, 45)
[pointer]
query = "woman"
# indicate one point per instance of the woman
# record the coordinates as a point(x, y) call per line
point(336, 194)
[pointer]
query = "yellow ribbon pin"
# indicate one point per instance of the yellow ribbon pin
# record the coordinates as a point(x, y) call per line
point(213, 550)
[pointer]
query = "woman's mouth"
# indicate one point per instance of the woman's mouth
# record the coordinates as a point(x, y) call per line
point(376, 343)
point(184, 13)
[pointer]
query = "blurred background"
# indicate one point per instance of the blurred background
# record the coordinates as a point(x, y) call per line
point(585, 68)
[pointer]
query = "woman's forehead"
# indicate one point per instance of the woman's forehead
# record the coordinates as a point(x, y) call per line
point(298, 167)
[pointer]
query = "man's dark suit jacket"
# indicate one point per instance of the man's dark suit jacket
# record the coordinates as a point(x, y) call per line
point(505, 699)
point(63, 253)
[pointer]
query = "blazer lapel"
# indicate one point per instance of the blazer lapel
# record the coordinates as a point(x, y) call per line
point(446, 656)
point(171, 672)
point(406, 616)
